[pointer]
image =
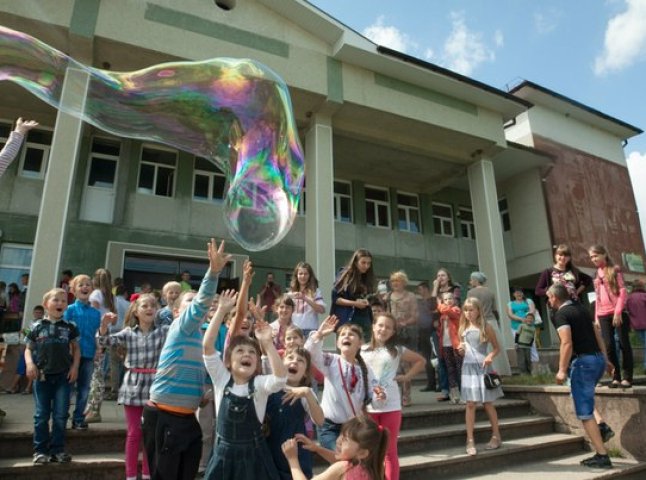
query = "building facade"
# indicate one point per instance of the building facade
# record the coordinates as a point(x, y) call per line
point(422, 166)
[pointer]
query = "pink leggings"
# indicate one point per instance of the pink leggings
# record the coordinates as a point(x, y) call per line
point(133, 442)
point(392, 421)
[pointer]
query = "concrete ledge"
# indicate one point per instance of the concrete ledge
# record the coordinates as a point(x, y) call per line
point(623, 410)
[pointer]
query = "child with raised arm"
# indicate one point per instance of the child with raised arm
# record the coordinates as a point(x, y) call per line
point(359, 452)
point(177, 388)
point(12, 147)
point(241, 394)
point(349, 382)
point(52, 358)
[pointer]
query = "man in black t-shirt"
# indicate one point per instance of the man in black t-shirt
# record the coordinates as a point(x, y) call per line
point(580, 342)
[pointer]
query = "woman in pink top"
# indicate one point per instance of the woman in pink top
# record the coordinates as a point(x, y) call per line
point(609, 312)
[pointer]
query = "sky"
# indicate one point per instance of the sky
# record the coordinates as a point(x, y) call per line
point(592, 51)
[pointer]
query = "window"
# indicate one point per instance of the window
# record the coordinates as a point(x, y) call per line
point(443, 219)
point(342, 201)
point(157, 171)
point(35, 154)
point(408, 212)
point(209, 182)
point(103, 162)
point(15, 259)
point(504, 214)
point(377, 207)
point(467, 227)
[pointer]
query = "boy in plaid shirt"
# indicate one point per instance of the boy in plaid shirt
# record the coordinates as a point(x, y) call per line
point(52, 358)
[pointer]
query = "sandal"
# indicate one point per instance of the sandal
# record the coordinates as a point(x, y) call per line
point(494, 443)
point(406, 402)
point(442, 398)
point(471, 448)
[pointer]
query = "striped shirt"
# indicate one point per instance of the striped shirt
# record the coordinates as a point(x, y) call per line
point(10, 150)
point(143, 351)
point(181, 372)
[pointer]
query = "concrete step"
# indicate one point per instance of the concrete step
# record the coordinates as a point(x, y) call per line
point(83, 467)
point(431, 439)
point(93, 440)
point(421, 416)
point(568, 467)
point(453, 462)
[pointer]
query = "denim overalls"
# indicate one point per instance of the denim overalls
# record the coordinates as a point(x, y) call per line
point(241, 451)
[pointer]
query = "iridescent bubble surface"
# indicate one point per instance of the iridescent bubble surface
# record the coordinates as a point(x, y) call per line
point(235, 112)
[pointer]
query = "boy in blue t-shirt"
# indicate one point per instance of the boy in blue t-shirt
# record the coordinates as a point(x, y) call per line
point(87, 320)
point(52, 358)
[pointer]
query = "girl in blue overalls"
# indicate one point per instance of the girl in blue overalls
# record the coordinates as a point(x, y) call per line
point(241, 393)
point(288, 410)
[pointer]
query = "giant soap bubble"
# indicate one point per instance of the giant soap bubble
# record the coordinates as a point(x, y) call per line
point(235, 112)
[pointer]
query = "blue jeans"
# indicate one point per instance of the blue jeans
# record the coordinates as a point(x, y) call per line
point(328, 433)
point(585, 373)
point(83, 382)
point(642, 337)
point(52, 399)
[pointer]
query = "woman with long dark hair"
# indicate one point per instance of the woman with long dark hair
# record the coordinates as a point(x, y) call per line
point(350, 293)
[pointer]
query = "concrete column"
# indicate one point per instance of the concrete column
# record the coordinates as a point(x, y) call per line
point(489, 242)
point(52, 219)
point(319, 223)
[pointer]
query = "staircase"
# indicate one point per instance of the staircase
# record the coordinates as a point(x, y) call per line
point(431, 445)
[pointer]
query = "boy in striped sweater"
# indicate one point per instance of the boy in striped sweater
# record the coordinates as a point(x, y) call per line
point(172, 435)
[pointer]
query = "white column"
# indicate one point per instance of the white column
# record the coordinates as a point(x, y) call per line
point(319, 223)
point(52, 219)
point(489, 242)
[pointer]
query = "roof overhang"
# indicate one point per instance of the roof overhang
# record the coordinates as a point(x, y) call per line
point(540, 95)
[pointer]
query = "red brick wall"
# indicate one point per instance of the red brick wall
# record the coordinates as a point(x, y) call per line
point(590, 200)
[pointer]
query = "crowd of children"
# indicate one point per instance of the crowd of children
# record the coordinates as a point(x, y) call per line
point(209, 381)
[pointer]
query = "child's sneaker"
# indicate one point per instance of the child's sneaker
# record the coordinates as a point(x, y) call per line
point(606, 432)
point(40, 459)
point(597, 461)
point(60, 458)
point(79, 426)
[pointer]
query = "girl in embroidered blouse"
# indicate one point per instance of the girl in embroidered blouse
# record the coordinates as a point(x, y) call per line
point(308, 300)
point(143, 342)
point(241, 395)
point(284, 308)
point(358, 455)
point(609, 313)
point(350, 293)
point(383, 355)
point(349, 382)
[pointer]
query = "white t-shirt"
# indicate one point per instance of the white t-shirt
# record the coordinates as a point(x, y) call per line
point(335, 403)
point(264, 385)
point(97, 296)
point(385, 367)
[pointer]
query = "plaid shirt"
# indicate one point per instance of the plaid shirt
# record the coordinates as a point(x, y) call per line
point(143, 350)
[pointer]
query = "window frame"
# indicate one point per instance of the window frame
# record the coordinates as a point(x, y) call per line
point(376, 204)
point(471, 224)
point(211, 199)
point(337, 201)
point(504, 213)
point(157, 166)
point(46, 150)
point(408, 209)
point(23, 268)
point(442, 218)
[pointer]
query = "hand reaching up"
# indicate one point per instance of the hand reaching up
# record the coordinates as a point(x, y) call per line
point(227, 300)
point(328, 326)
point(263, 331)
point(23, 126)
point(217, 257)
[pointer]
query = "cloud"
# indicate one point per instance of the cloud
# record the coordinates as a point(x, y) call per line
point(547, 20)
point(389, 36)
point(625, 39)
point(498, 38)
point(464, 49)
